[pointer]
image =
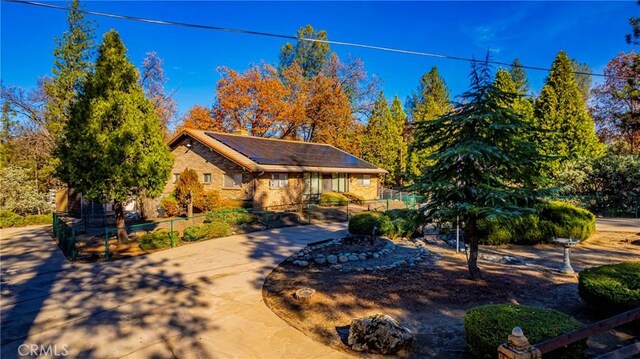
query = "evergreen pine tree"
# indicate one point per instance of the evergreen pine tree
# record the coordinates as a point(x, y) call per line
point(72, 63)
point(431, 101)
point(561, 111)
point(519, 77)
point(380, 143)
point(399, 119)
point(113, 147)
point(481, 167)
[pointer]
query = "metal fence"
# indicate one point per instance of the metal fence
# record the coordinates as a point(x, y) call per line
point(77, 243)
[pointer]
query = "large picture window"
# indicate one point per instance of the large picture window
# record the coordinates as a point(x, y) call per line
point(340, 182)
point(232, 180)
point(279, 180)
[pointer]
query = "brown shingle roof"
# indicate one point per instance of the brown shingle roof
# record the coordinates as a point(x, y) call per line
point(271, 155)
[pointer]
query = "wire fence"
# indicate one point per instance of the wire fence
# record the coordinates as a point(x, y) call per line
point(78, 244)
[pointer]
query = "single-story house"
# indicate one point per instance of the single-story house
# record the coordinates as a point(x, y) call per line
point(270, 172)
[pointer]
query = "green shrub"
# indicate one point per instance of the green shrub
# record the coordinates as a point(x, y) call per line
point(488, 326)
point(170, 206)
point(612, 288)
point(332, 199)
point(11, 219)
point(158, 240)
point(552, 219)
point(354, 198)
point(405, 222)
point(210, 230)
point(363, 223)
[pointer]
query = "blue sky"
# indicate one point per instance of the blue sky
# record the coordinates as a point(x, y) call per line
point(592, 32)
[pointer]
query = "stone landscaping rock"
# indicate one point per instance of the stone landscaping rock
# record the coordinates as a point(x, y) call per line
point(343, 259)
point(303, 263)
point(376, 256)
point(353, 257)
point(362, 256)
point(320, 260)
point(378, 334)
point(331, 259)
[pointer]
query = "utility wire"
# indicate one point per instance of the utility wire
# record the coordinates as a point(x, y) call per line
point(290, 37)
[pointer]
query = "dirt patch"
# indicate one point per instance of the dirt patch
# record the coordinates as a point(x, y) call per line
point(431, 298)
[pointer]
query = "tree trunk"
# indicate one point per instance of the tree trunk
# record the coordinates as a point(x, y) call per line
point(118, 208)
point(190, 206)
point(471, 231)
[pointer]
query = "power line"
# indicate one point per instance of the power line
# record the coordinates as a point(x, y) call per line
point(290, 37)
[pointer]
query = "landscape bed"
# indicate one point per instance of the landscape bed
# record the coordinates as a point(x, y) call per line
point(432, 298)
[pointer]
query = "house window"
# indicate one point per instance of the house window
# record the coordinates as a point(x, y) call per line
point(232, 180)
point(312, 185)
point(340, 182)
point(176, 176)
point(279, 180)
point(364, 180)
point(206, 178)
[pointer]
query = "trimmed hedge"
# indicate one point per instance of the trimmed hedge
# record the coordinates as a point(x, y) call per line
point(488, 326)
point(158, 239)
point(553, 219)
point(328, 199)
point(11, 219)
point(210, 230)
point(363, 223)
point(611, 288)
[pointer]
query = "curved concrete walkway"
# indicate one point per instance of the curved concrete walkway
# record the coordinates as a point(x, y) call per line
point(202, 300)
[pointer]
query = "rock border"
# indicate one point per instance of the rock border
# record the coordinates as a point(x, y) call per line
point(306, 257)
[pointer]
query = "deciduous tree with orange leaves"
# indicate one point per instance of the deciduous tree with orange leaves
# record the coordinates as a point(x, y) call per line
point(199, 117)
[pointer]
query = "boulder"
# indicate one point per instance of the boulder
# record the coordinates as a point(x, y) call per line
point(331, 259)
point(343, 259)
point(378, 333)
point(354, 257)
point(320, 260)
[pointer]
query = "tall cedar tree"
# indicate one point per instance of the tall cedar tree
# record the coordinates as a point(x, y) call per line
point(561, 111)
point(583, 78)
point(113, 146)
point(399, 118)
point(71, 66)
point(380, 144)
point(481, 167)
point(189, 189)
point(309, 55)
point(431, 101)
point(616, 102)
point(519, 76)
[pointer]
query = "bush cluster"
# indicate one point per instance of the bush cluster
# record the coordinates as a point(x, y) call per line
point(234, 218)
point(612, 288)
point(332, 199)
point(354, 198)
point(11, 219)
point(552, 219)
point(158, 239)
point(393, 223)
point(488, 326)
point(170, 206)
point(210, 230)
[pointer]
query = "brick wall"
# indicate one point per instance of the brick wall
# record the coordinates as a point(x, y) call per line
point(368, 192)
point(204, 160)
point(268, 196)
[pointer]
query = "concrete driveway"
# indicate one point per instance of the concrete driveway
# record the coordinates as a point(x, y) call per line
point(618, 225)
point(202, 300)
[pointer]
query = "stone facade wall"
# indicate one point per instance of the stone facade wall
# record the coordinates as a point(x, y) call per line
point(368, 192)
point(204, 160)
point(268, 196)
